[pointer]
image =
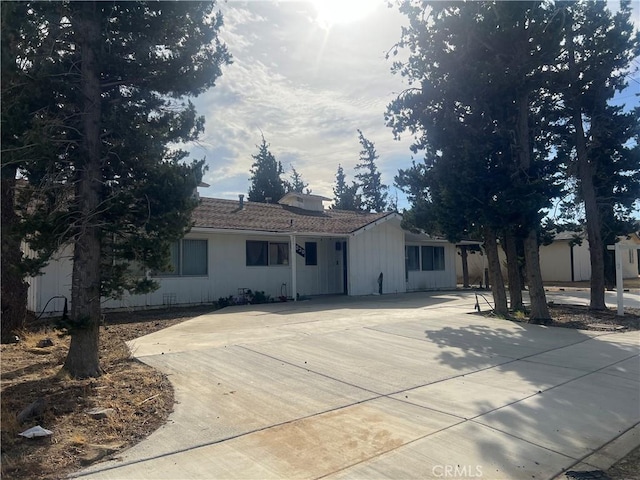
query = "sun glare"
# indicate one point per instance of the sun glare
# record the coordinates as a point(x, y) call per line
point(332, 12)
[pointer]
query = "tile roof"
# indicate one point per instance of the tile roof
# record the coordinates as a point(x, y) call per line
point(268, 217)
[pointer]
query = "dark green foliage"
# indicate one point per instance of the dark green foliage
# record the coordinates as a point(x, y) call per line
point(225, 302)
point(603, 172)
point(95, 137)
point(146, 197)
point(68, 326)
point(374, 192)
point(499, 95)
point(266, 182)
point(297, 184)
point(259, 297)
point(346, 197)
point(477, 102)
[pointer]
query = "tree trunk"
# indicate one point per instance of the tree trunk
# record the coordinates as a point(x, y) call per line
point(587, 188)
point(495, 273)
point(14, 288)
point(465, 265)
point(539, 308)
point(83, 360)
point(513, 272)
point(596, 246)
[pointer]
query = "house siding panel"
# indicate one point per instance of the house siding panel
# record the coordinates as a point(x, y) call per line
point(376, 250)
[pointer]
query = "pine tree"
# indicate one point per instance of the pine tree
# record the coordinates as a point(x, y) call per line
point(101, 164)
point(599, 49)
point(266, 183)
point(486, 162)
point(345, 197)
point(374, 192)
point(297, 183)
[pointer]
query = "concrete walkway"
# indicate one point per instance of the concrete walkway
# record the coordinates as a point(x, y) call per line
point(398, 386)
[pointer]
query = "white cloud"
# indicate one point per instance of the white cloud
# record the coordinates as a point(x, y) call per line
point(305, 88)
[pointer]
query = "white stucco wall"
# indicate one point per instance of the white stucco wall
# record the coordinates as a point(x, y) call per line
point(375, 250)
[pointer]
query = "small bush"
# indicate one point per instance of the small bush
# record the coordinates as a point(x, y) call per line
point(225, 301)
point(259, 297)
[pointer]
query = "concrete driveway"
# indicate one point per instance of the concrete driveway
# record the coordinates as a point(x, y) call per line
point(398, 386)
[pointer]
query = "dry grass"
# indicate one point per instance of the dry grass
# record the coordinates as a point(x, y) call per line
point(141, 397)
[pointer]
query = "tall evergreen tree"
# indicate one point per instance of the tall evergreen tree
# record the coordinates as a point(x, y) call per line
point(374, 192)
point(266, 183)
point(485, 126)
point(345, 197)
point(599, 48)
point(117, 75)
point(20, 98)
point(297, 184)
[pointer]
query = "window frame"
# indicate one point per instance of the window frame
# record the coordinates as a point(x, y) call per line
point(273, 254)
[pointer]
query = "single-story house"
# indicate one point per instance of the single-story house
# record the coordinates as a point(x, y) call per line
point(565, 259)
point(292, 248)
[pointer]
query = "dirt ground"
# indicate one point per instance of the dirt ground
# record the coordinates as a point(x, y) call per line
point(139, 397)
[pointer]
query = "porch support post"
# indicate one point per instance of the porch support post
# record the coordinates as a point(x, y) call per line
point(619, 281)
point(294, 273)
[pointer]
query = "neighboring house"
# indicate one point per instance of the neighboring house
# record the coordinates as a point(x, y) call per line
point(294, 247)
point(566, 259)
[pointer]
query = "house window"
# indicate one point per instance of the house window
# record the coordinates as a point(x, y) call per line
point(432, 258)
point(188, 258)
point(257, 253)
point(174, 260)
point(278, 254)
point(412, 257)
point(310, 253)
point(261, 253)
point(194, 257)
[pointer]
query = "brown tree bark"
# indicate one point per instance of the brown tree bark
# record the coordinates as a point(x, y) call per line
point(587, 188)
point(513, 272)
point(539, 309)
point(14, 289)
point(464, 254)
point(82, 360)
point(495, 273)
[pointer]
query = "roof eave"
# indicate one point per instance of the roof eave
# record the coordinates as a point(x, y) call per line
point(239, 231)
point(375, 223)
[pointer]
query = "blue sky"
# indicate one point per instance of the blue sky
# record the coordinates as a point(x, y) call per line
point(307, 75)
